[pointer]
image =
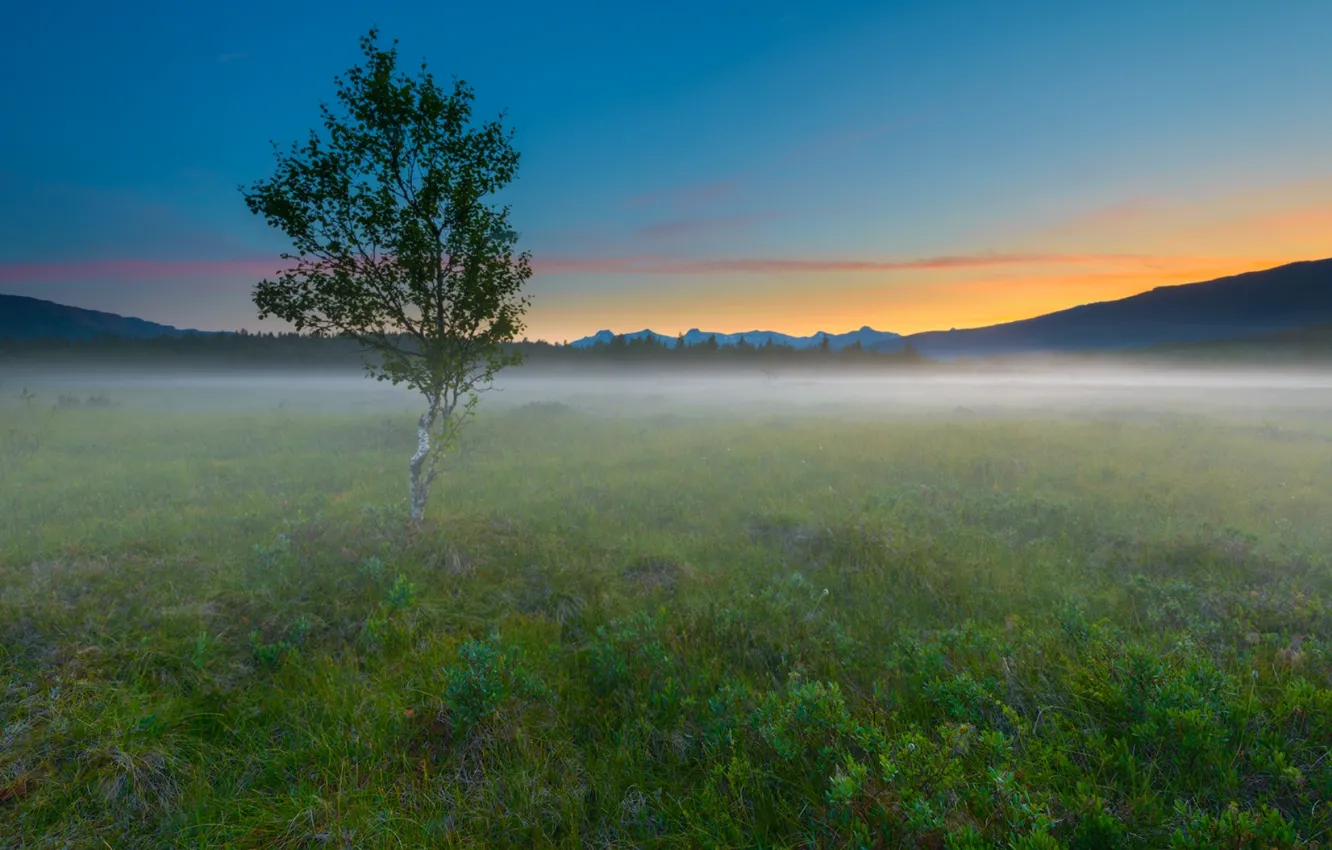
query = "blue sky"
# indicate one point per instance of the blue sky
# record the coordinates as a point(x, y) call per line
point(796, 166)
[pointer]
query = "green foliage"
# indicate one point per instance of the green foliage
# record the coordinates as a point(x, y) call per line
point(401, 595)
point(484, 680)
point(372, 571)
point(1233, 827)
point(392, 233)
point(269, 655)
point(975, 637)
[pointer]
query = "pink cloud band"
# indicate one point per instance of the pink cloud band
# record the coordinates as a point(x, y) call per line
point(663, 265)
point(136, 270)
point(130, 271)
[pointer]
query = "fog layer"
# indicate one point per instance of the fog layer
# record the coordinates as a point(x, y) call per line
point(973, 392)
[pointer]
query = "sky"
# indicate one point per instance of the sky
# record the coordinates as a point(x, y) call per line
point(730, 166)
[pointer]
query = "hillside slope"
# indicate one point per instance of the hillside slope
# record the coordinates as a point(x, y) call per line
point(1277, 299)
point(24, 318)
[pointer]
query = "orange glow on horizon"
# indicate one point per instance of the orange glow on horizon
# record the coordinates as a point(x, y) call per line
point(1095, 254)
point(901, 307)
point(1013, 270)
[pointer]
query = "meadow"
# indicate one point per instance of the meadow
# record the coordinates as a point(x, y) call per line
point(648, 624)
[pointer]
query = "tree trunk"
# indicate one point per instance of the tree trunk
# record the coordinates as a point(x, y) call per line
point(418, 481)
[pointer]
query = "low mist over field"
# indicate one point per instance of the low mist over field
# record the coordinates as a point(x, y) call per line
point(649, 603)
point(1070, 388)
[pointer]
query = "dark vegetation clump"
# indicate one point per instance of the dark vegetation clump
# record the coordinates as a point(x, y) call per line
point(653, 573)
point(67, 401)
point(1035, 634)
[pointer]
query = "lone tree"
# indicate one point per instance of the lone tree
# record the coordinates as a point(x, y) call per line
point(396, 244)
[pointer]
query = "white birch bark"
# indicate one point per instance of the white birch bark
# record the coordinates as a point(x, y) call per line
point(419, 483)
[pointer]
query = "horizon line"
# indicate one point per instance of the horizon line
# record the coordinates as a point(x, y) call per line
point(1267, 265)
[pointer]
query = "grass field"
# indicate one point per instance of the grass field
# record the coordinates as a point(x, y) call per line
point(663, 628)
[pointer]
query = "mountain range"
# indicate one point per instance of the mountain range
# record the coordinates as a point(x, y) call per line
point(866, 336)
point(1285, 298)
point(24, 318)
point(1246, 305)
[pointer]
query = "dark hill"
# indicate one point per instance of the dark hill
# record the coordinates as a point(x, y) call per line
point(1244, 305)
point(23, 318)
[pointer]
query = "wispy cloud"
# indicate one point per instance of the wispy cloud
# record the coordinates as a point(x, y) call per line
point(684, 198)
point(1118, 214)
point(672, 266)
point(1083, 267)
point(698, 226)
point(692, 196)
point(110, 222)
point(835, 141)
point(224, 58)
point(1291, 218)
point(129, 271)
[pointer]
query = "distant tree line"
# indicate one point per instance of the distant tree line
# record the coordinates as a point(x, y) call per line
point(241, 347)
point(651, 348)
point(307, 350)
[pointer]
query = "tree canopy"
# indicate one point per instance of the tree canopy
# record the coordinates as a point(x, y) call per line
point(396, 242)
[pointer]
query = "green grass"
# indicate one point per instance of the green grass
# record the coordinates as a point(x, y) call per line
point(663, 631)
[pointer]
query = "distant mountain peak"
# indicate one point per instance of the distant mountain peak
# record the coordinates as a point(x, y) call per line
point(865, 336)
